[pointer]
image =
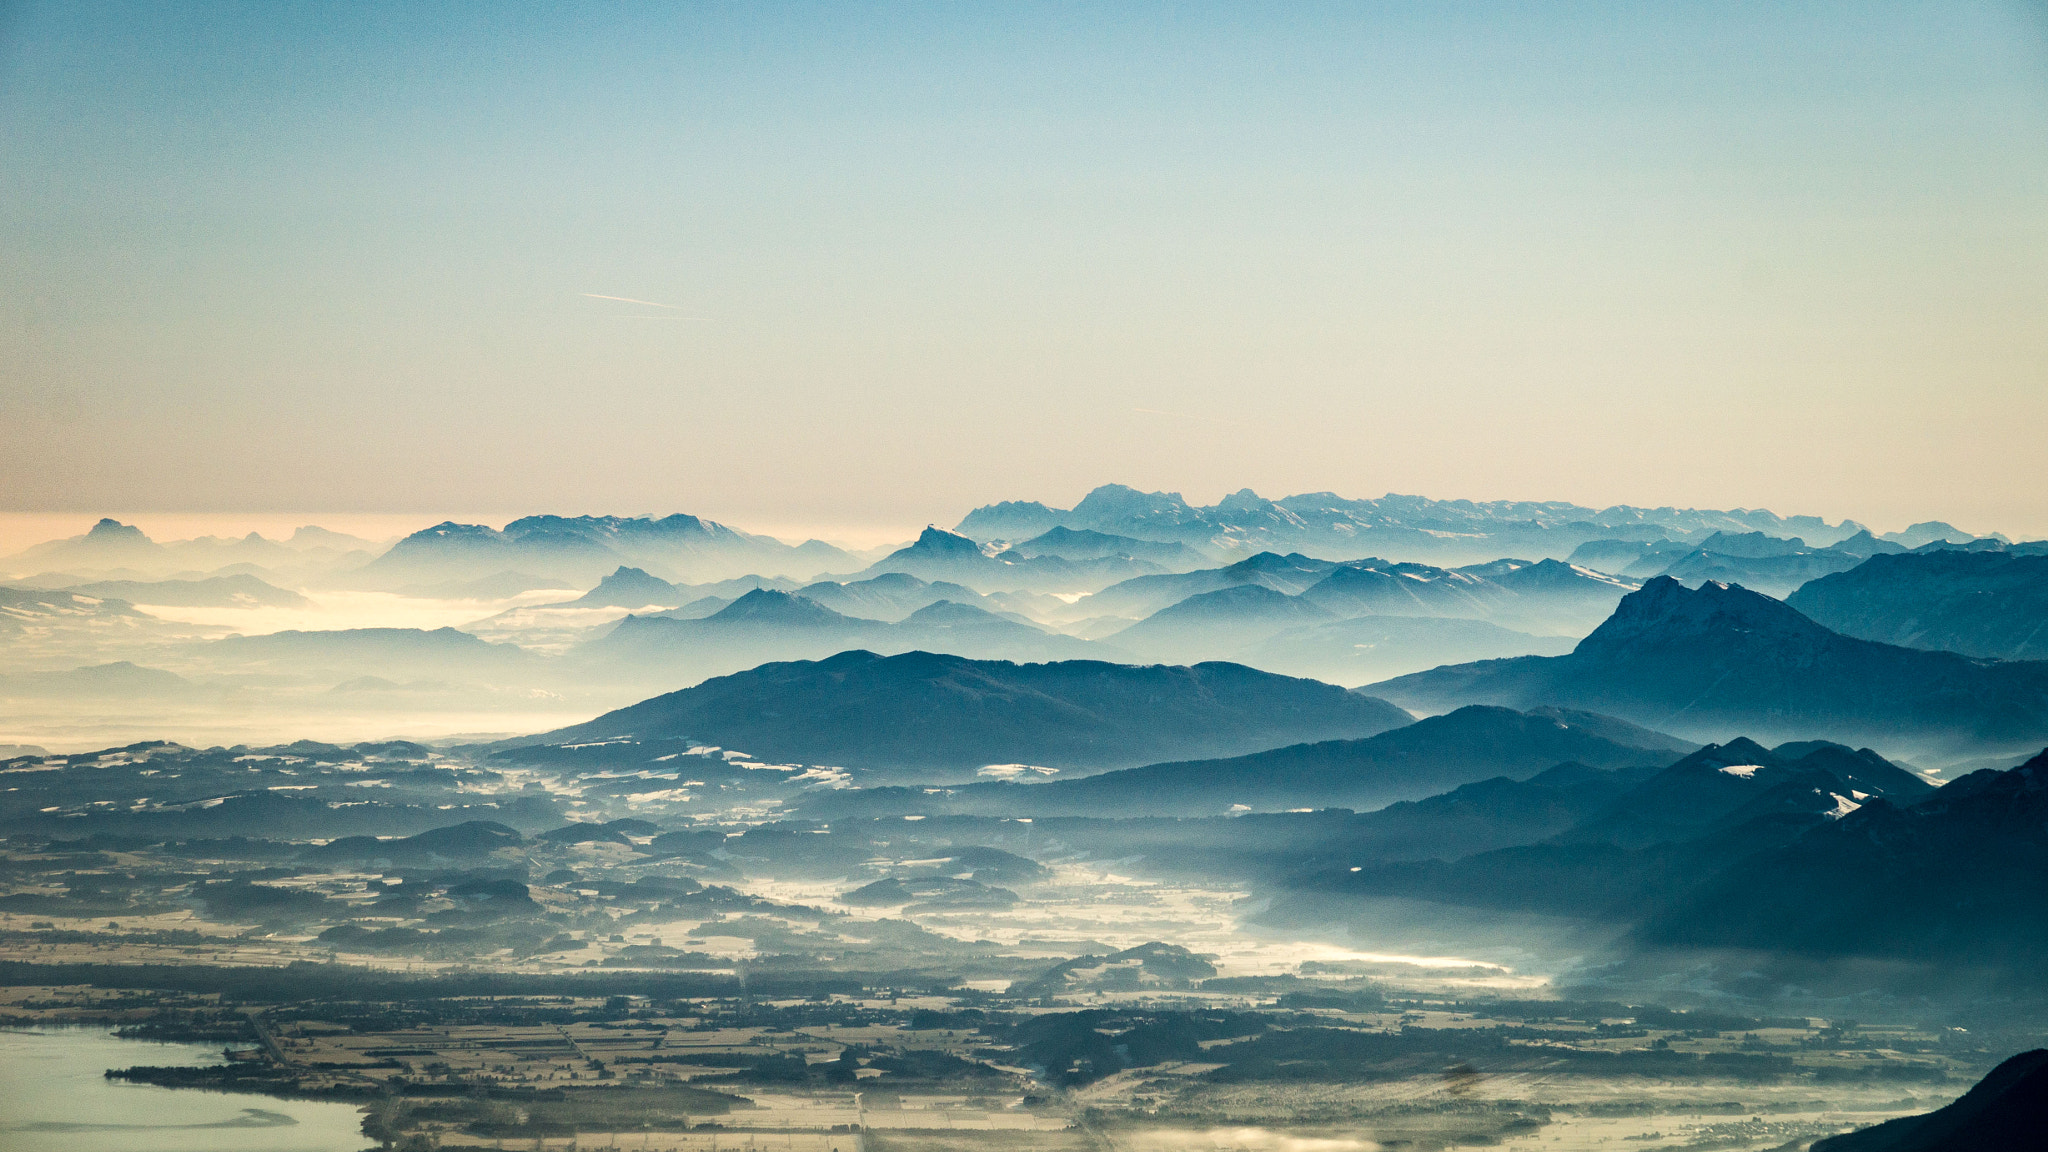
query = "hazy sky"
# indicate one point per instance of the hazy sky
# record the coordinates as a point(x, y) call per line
point(904, 260)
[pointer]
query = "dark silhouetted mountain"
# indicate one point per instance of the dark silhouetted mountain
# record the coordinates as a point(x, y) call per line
point(1148, 967)
point(212, 592)
point(1492, 813)
point(585, 548)
point(939, 555)
point(2005, 1111)
point(944, 891)
point(1368, 648)
point(1086, 544)
point(1706, 660)
point(1956, 876)
point(1404, 527)
point(1407, 763)
point(1977, 603)
point(467, 840)
point(609, 832)
point(935, 713)
point(1725, 784)
point(630, 588)
point(1652, 844)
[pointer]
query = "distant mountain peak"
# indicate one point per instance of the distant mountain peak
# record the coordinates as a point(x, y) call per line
point(765, 605)
point(110, 530)
point(935, 539)
point(1113, 503)
point(629, 587)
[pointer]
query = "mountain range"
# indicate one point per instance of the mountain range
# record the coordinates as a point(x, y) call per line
point(1978, 603)
point(939, 555)
point(585, 548)
point(2007, 1109)
point(1700, 662)
point(1516, 593)
point(921, 713)
point(1659, 854)
point(113, 550)
point(767, 625)
point(1412, 762)
point(1955, 872)
point(1409, 527)
point(1773, 565)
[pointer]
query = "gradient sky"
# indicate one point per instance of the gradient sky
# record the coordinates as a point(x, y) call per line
point(907, 259)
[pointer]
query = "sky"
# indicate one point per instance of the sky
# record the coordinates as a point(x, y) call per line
point(807, 267)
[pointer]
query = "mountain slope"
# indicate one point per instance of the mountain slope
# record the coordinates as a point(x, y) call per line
point(1144, 595)
point(629, 587)
point(1978, 603)
point(1545, 596)
point(890, 596)
point(2008, 1109)
point(1087, 544)
point(1408, 763)
point(1654, 843)
point(108, 544)
point(1732, 782)
point(939, 555)
point(1957, 874)
point(767, 625)
point(923, 713)
point(1216, 623)
point(1368, 648)
point(1700, 662)
point(243, 591)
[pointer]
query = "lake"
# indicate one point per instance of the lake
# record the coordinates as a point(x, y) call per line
point(55, 1098)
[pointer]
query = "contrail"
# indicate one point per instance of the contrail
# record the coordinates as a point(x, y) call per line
point(630, 300)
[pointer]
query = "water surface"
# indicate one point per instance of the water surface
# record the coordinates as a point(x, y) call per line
point(54, 1097)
